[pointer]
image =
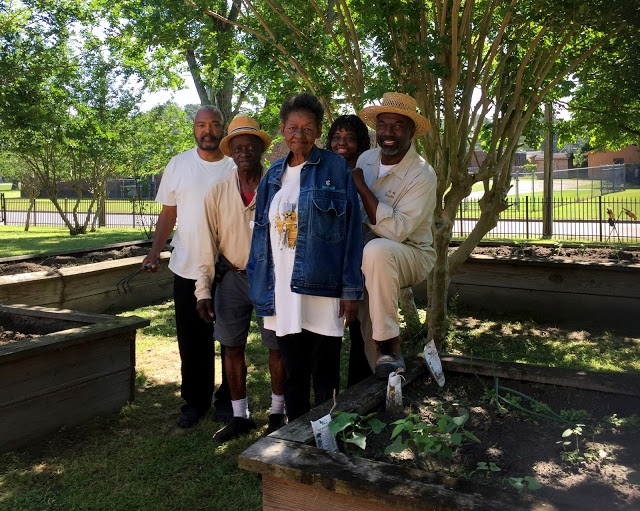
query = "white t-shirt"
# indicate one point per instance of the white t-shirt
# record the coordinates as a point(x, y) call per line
point(185, 182)
point(294, 312)
point(384, 169)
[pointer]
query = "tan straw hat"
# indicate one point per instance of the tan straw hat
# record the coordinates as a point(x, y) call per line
point(396, 103)
point(244, 125)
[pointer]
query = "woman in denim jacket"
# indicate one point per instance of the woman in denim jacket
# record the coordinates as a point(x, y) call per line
point(306, 252)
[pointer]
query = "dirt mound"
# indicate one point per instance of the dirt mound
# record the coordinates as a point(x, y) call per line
point(558, 252)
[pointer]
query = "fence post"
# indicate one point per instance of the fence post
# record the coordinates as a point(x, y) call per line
point(133, 213)
point(461, 220)
point(35, 221)
point(526, 205)
point(600, 214)
point(3, 206)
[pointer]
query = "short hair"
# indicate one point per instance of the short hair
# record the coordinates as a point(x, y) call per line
point(211, 108)
point(352, 123)
point(302, 101)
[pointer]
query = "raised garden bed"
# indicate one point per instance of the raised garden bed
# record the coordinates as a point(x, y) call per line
point(89, 287)
point(551, 288)
point(63, 368)
point(297, 475)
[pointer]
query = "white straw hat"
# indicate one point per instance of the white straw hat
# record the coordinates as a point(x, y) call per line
point(396, 103)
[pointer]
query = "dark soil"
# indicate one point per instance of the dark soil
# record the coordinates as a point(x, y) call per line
point(49, 263)
point(524, 445)
point(560, 253)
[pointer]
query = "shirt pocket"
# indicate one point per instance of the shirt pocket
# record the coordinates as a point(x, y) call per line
point(328, 219)
point(260, 240)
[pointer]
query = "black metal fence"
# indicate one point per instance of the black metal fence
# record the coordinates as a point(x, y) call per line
point(117, 213)
point(593, 219)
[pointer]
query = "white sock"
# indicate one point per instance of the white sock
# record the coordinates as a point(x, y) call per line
point(277, 404)
point(240, 408)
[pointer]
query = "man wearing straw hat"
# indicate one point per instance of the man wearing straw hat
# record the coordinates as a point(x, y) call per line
point(229, 212)
point(397, 188)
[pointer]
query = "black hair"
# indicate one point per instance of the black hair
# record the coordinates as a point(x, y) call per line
point(352, 123)
point(302, 101)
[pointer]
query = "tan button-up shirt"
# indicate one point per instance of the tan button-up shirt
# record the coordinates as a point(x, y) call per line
point(407, 198)
point(229, 226)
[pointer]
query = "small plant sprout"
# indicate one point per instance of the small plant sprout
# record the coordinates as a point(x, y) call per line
point(439, 440)
point(524, 483)
point(352, 429)
point(482, 466)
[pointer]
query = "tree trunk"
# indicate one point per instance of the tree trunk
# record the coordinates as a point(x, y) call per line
point(437, 288)
point(408, 305)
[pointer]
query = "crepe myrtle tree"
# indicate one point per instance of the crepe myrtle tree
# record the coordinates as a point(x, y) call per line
point(464, 61)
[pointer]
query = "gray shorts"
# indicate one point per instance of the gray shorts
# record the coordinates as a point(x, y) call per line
point(233, 310)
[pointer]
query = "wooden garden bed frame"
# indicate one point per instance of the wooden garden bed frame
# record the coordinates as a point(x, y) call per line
point(298, 476)
point(84, 368)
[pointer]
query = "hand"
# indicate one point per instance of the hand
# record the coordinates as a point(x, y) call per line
point(153, 260)
point(348, 309)
point(358, 177)
point(205, 310)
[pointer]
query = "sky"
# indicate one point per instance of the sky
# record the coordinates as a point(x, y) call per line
point(186, 96)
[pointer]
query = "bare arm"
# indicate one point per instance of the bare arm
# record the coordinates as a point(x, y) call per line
point(369, 200)
point(164, 228)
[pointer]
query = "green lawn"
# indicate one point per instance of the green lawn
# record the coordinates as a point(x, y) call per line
point(139, 460)
point(16, 241)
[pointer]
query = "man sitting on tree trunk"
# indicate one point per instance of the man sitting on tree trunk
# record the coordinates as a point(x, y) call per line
point(398, 192)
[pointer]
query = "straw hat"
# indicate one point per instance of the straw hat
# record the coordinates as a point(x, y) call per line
point(244, 125)
point(396, 103)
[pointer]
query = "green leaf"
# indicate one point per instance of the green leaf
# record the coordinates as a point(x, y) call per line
point(456, 439)
point(397, 430)
point(567, 432)
point(377, 425)
point(493, 467)
point(482, 465)
point(516, 482)
point(532, 483)
point(471, 436)
point(341, 422)
point(396, 446)
point(358, 439)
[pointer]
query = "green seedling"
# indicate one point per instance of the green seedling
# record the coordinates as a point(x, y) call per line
point(576, 416)
point(524, 483)
point(631, 423)
point(352, 429)
point(438, 440)
point(482, 466)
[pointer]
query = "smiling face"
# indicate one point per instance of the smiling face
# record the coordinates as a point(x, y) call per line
point(207, 130)
point(246, 151)
point(300, 132)
point(345, 143)
point(394, 133)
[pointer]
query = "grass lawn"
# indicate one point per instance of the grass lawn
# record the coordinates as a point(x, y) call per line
point(16, 241)
point(138, 459)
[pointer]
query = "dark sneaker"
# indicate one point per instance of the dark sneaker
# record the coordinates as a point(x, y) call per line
point(276, 421)
point(237, 426)
point(223, 412)
point(189, 418)
point(386, 364)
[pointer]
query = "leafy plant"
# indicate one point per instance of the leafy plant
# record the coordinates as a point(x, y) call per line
point(352, 429)
point(576, 416)
point(631, 423)
point(440, 440)
point(482, 466)
point(524, 483)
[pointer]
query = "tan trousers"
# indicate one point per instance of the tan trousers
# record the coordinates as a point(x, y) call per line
point(387, 266)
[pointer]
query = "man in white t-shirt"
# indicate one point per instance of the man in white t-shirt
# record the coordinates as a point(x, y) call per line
point(185, 182)
point(397, 190)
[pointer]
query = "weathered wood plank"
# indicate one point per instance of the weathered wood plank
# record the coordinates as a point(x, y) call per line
point(36, 374)
point(24, 422)
point(616, 383)
point(90, 287)
point(397, 487)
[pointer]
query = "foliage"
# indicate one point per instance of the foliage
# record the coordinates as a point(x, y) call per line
point(524, 483)
point(440, 440)
point(352, 429)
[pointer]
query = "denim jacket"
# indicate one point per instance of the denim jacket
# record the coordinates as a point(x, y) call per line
point(329, 244)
